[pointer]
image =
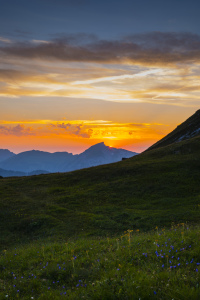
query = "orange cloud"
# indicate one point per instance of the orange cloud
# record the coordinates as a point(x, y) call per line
point(18, 130)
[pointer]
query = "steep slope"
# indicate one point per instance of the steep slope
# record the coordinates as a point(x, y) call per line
point(30, 161)
point(188, 129)
point(96, 155)
point(5, 154)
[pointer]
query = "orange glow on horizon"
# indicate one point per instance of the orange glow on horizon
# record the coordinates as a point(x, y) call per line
point(77, 135)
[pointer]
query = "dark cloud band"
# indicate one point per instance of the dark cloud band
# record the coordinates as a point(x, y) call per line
point(155, 48)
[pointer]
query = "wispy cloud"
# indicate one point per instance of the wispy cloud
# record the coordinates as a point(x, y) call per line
point(5, 40)
point(119, 77)
point(154, 67)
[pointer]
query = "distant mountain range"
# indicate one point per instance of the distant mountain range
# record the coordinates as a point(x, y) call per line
point(186, 130)
point(37, 162)
point(5, 154)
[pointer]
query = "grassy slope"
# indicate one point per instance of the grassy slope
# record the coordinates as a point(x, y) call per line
point(152, 189)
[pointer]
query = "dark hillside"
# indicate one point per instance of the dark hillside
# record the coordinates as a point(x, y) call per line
point(152, 189)
point(188, 129)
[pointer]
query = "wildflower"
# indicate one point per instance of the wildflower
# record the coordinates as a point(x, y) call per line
point(154, 293)
point(197, 270)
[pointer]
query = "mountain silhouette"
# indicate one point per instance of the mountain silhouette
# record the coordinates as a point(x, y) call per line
point(37, 162)
point(5, 154)
point(97, 155)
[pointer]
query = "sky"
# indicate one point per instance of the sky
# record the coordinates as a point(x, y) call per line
point(74, 73)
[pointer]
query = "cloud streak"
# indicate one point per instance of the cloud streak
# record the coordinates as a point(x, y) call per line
point(155, 48)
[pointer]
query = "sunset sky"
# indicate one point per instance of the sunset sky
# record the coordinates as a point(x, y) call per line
point(74, 73)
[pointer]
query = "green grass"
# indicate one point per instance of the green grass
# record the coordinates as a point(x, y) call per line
point(96, 233)
point(160, 264)
point(155, 188)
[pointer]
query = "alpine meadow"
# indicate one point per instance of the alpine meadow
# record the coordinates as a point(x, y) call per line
point(106, 232)
point(100, 150)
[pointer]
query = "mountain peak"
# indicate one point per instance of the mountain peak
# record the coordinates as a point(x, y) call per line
point(99, 145)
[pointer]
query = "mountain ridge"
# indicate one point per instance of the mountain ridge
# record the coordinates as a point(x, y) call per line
point(186, 130)
point(5, 154)
point(35, 160)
